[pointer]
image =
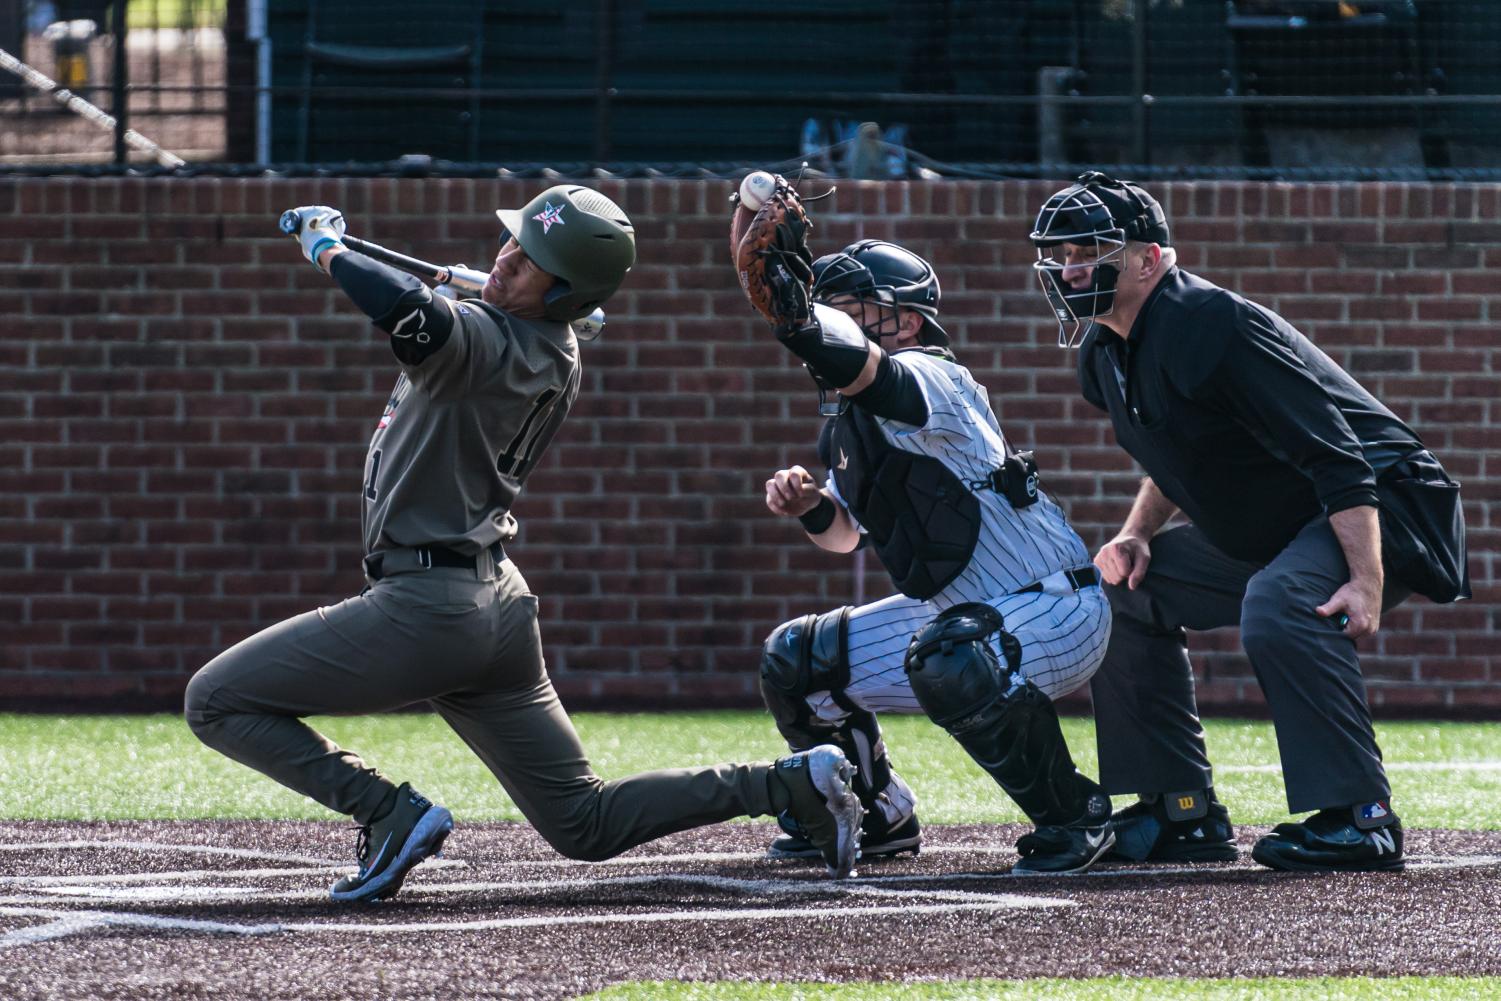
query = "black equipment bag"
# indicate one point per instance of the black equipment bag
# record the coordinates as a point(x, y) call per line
point(1423, 528)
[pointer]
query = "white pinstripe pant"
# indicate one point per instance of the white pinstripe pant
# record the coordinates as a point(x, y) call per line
point(1063, 635)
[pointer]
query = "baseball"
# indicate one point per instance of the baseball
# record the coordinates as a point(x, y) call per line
point(756, 188)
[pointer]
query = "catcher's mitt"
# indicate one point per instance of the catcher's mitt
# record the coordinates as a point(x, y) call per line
point(772, 259)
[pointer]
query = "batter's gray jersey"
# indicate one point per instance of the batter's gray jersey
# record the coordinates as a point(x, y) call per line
point(499, 387)
point(1017, 547)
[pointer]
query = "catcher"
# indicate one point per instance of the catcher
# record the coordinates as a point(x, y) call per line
point(920, 471)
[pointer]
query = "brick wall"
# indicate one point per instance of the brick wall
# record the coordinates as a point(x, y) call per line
point(184, 407)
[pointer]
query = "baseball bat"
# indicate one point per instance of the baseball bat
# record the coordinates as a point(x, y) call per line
point(457, 279)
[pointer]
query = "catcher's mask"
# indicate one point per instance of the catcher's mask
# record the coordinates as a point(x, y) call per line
point(581, 238)
point(886, 276)
point(1098, 214)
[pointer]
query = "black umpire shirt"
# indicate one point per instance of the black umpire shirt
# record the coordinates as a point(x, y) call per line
point(1238, 418)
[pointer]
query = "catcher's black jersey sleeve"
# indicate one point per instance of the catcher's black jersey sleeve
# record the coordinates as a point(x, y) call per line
point(894, 394)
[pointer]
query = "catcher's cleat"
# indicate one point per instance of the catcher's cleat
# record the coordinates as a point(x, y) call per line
point(819, 796)
point(1060, 851)
point(879, 839)
point(1146, 832)
point(1334, 841)
point(389, 847)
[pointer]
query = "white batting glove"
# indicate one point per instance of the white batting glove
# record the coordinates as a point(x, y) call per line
point(316, 227)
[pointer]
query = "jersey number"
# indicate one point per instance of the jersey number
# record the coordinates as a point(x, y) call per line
point(374, 471)
point(520, 452)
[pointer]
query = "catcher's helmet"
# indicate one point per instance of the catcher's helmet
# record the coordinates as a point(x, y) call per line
point(1100, 213)
point(884, 274)
point(582, 239)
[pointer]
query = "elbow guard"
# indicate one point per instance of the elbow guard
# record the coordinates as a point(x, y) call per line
point(831, 343)
point(397, 303)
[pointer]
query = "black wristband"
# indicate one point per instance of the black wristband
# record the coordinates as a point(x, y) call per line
point(818, 520)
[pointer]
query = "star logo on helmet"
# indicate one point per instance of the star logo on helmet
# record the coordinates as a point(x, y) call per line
point(550, 214)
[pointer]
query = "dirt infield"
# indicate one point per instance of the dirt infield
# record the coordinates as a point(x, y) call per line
point(238, 910)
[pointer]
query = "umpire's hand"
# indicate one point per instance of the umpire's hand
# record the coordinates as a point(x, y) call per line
point(1124, 559)
point(792, 492)
point(1355, 608)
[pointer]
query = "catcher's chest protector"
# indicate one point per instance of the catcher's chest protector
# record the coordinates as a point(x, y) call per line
point(920, 517)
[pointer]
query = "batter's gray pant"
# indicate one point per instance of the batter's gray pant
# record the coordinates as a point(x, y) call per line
point(1147, 723)
point(473, 650)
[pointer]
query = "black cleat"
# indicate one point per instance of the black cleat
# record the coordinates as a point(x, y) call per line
point(1145, 833)
point(1331, 841)
point(1059, 851)
point(388, 848)
point(880, 839)
point(817, 789)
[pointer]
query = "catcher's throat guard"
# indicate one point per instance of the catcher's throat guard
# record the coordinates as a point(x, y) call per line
point(832, 348)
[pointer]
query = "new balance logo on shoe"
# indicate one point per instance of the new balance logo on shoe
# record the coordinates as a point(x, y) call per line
point(1333, 840)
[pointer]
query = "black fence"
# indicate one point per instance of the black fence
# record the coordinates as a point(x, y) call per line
point(1258, 88)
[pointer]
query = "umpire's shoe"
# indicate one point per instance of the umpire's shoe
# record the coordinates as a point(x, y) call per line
point(391, 845)
point(815, 788)
point(1363, 838)
point(1064, 849)
point(1174, 827)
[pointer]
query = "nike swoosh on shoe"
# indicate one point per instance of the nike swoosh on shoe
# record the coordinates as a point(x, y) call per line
point(378, 856)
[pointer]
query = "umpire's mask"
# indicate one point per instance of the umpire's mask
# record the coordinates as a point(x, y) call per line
point(1097, 215)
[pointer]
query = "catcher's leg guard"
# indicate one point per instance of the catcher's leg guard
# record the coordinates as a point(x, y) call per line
point(809, 655)
point(1005, 722)
point(803, 656)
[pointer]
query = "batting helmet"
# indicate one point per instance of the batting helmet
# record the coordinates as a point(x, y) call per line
point(1098, 213)
point(884, 274)
point(582, 239)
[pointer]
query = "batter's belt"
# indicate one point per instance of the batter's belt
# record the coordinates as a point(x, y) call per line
point(416, 559)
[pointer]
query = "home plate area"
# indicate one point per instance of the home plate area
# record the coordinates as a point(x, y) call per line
point(232, 909)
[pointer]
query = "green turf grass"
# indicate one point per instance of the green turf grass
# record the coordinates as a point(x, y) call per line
point(130, 767)
point(1114, 988)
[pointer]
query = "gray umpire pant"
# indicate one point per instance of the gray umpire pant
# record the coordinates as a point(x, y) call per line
point(1147, 723)
point(471, 647)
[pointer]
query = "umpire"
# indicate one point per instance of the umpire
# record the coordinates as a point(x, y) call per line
point(1312, 509)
